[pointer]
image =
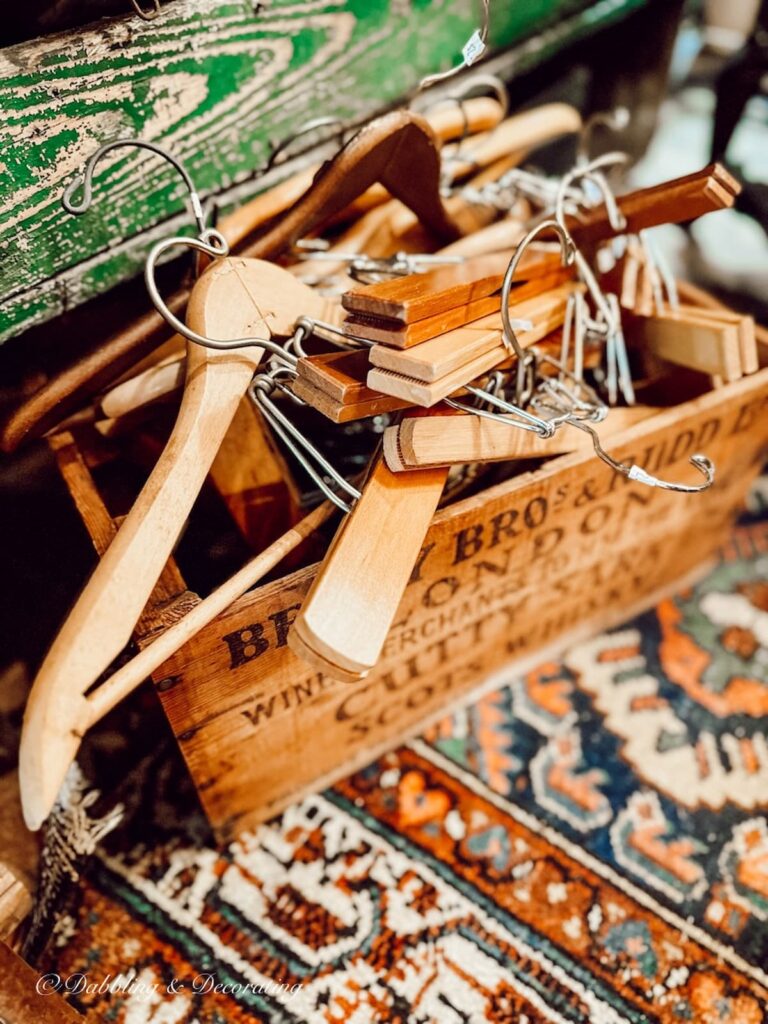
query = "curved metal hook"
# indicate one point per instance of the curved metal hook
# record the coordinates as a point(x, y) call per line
point(147, 15)
point(212, 243)
point(568, 252)
point(592, 171)
point(479, 83)
point(304, 129)
point(615, 120)
point(704, 465)
point(85, 180)
point(473, 50)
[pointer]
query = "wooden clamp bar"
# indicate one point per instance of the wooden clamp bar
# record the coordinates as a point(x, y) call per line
point(453, 306)
point(433, 359)
point(671, 202)
point(417, 296)
point(426, 394)
point(693, 338)
point(417, 443)
point(352, 603)
point(335, 384)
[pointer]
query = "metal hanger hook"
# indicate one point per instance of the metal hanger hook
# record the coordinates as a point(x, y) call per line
point(568, 253)
point(615, 120)
point(212, 243)
point(473, 50)
point(148, 14)
point(592, 172)
point(85, 180)
point(704, 465)
point(305, 129)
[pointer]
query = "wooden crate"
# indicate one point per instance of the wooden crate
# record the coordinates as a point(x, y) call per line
point(517, 570)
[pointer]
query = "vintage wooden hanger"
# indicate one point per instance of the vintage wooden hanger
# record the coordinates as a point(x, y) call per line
point(392, 228)
point(344, 620)
point(418, 296)
point(697, 339)
point(237, 299)
point(431, 360)
point(335, 384)
point(671, 202)
point(398, 150)
point(463, 354)
point(385, 231)
point(454, 302)
point(60, 396)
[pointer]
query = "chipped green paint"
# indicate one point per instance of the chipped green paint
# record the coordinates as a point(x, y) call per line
point(215, 83)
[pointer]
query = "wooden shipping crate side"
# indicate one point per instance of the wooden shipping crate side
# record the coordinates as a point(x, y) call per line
point(500, 575)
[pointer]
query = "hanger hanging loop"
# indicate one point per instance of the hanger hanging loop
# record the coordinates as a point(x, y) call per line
point(567, 250)
point(212, 243)
point(526, 359)
point(703, 464)
point(481, 83)
point(85, 180)
point(592, 171)
point(614, 120)
point(147, 13)
point(305, 129)
point(474, 49)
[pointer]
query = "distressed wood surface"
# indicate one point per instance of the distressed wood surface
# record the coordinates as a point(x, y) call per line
point(218, 84)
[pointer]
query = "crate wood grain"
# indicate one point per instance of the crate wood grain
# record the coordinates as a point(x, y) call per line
point(219, 83)
point(18, 859)
point(26, 1000)
point(500, 576)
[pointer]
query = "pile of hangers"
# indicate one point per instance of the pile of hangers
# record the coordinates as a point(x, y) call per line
point(422, 281)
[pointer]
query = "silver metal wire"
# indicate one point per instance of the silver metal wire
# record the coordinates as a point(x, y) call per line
point(148, 14)
point(473, 51)
point(85, 180)
point(212, 243)
point(304, 129)
point(313, 461)
point(703, 464)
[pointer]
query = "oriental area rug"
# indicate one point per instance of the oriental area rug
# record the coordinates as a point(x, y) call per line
point(588, 843)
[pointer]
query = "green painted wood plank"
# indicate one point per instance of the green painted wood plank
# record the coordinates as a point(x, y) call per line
point(214, 82)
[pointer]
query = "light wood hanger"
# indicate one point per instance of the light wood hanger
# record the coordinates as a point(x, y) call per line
point(344, 620)
point(235, 298)
point(61, 396)
point(692, 338)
